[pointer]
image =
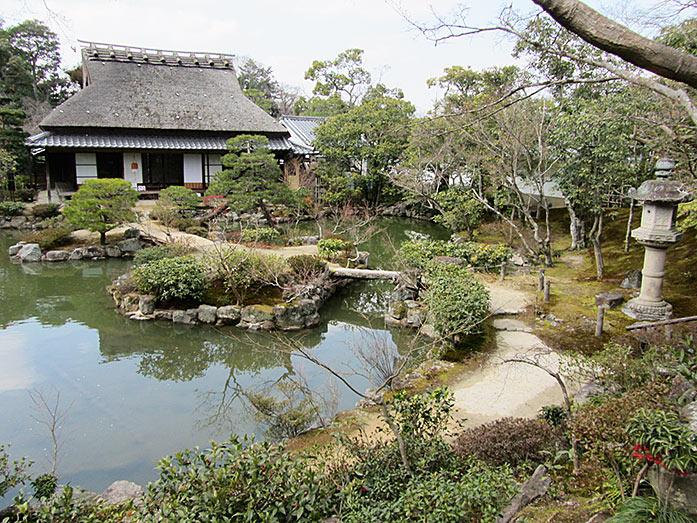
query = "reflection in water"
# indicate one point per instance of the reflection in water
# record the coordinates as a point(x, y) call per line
point(140, 390)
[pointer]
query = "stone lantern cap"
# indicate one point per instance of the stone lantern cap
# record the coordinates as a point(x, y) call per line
point(662, 188)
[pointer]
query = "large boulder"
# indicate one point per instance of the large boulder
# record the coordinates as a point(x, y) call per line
point(146, 304)
point(131, 233)
point(53, 256)
point(186, 317)
point(257, 314)
point(289, 317)
point(229, 314)
point(130, 245)
point(18, 222)
point(112, 251)
point(78, 254)
point(30, 252)
point(14, 249)
point(207, 314)
point(632, 280)
point(594, 389)
point(94, 252)
point(121, 491)
point(681, 491)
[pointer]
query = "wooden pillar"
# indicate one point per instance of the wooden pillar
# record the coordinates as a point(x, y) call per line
point(599, 322)
point(547, 290)
point(48, 180)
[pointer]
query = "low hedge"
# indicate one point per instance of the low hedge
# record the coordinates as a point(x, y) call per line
point(330, 248)
point(482, 256)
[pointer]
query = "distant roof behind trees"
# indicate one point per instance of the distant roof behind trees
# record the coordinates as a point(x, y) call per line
point(136, 88)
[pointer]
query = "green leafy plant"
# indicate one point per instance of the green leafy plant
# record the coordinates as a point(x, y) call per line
point(457, 303)
point(554, 415)
point(661, 437)
point(512, 441)
point(49, 238)
point(287, 414)
point(261, 234)
point(44, 485)
point(101, 205)
point(45, 210)
point(648, 508)
point(8, 209)
point(180, 278)
point(240, 481)
point(12, 472)
point(330, 248)
point(459, 210)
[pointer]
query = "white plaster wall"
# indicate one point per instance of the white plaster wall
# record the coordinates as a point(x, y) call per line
point(85, 167)
point(135, 176)
point(192, 168)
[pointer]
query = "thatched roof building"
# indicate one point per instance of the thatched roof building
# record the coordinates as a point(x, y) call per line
point(153, 117)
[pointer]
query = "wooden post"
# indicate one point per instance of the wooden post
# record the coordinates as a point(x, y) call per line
point(48, 180)
point(600, 321)
point(547, 290)
point(541, 284)
point(503, 272)
point(669, 326)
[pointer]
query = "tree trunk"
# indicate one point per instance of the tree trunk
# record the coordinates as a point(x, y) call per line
point(628, 234)
point(577, 228)
point(595, 235)
point(510, 230)
point(267, 215)
point(608, 35)
point(102, 237)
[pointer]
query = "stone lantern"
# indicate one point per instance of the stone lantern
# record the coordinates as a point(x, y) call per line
point(657, 232)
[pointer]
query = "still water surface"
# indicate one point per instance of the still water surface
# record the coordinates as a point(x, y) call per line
point(136, 391)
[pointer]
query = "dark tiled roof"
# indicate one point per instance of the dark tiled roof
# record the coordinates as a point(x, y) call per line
point(302, 131)
point(160, 95)
point(141, 141)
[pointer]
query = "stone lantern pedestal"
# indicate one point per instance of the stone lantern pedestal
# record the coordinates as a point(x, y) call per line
point(656, 233)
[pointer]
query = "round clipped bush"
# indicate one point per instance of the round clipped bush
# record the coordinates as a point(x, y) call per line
point(457, 303)
point(179, 197)
point(262, 234)
point(180, 278)
point(511, 441)
point(11, 209)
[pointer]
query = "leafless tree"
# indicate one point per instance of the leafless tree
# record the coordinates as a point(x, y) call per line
point(50, 413)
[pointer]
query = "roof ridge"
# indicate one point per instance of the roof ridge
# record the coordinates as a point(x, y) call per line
point(301, 117)
point(134, 54)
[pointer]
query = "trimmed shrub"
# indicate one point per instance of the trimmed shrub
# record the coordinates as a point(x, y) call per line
point(262, 234)
point(11, 209)
point(243, 271)
point(179, 278)
point(25, 194)
point(330, 248)
point(158, 252)
point(49, 238)
point(457, 303)
point(511, 441)
point(46, 210)
point(482, 256)
point(306, 267)
point(179, 197)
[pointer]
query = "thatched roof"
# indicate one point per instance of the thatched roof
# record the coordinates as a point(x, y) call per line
point(132, 88)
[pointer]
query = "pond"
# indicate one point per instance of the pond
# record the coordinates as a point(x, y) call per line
point(133, 392)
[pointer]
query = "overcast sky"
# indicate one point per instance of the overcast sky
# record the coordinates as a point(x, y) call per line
point(285, 35)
